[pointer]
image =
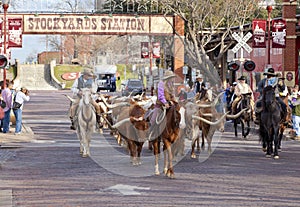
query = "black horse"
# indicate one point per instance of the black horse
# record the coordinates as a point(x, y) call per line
point(245, 118)
point(271, 117)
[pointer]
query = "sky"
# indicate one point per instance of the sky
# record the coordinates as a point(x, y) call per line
point(32, 44)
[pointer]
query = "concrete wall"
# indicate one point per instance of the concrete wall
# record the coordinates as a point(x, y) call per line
point(34, 77)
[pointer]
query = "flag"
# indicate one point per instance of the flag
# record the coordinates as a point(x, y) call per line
point(144, 50)
point(156, 49)
point(259, 33)
point(14, 32)
point(279, 33)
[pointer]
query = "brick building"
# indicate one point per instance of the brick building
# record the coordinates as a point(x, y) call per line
point(46, 57)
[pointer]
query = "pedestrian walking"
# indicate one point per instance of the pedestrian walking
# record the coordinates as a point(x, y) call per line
point(20, 97)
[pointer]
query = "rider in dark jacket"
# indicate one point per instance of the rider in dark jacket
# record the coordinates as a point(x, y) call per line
point(272, 80)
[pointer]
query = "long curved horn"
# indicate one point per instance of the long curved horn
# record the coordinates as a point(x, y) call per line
point(236, 115)
point(164, 114)
point(201, 105)
point(71, 99)
point(116, 125)
point(209, 122)
point(111, 106)
point(217, 98)
point(213, 104)
point(207, 114)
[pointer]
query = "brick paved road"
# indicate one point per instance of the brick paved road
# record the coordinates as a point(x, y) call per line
point(50, 172)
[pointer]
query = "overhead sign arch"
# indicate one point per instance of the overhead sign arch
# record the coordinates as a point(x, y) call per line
point(104, 24)
point(98, 24)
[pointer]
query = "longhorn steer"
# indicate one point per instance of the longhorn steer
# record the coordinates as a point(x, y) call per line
point(204, 116)
point(133, 128)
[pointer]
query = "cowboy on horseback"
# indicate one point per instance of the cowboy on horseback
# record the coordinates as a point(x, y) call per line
point(86, 80)
point(165, 95)
point(242, 88)
point(270, 80)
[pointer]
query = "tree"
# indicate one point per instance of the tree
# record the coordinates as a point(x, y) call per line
point(74, 6)
point(31, 57)
point(209, 25)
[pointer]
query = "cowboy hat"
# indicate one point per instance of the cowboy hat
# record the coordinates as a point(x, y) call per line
point(88, 72)
point(270, 72)
point(168, 74)
point(242, 78)
point(199, 76)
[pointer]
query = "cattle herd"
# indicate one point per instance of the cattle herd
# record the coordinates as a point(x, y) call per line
point(128, 119)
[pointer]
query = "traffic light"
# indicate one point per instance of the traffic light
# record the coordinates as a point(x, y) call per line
point(249, 65)
point(3, 61)
point(233, 66)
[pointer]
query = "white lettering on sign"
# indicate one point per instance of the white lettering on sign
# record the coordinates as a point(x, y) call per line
point(70, 76)
point(279, 37)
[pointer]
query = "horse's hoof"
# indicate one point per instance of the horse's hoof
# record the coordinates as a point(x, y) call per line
point(193, 156)
point(264, 149)
point(276, 157)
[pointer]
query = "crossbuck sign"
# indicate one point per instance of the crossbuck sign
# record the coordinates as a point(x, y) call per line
point(242, 42)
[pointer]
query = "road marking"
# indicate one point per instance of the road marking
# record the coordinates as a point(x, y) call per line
point(127, 189)
point(43, 121)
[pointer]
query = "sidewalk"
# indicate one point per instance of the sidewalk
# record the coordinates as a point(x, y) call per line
point(12, 140)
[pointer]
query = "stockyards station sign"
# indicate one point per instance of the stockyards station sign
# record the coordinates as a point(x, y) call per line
point(97, 24)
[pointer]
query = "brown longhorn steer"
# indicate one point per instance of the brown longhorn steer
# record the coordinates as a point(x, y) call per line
point(132, 126)
point(204, 117)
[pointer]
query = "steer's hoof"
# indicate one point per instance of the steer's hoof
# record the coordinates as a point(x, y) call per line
point(268, 156)
point(171, 176)
point(165, 171)
point(264, 149)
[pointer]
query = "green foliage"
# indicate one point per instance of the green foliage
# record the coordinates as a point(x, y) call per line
point(62, 69)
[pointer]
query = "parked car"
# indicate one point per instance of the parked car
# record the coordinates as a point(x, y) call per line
point(133, 87)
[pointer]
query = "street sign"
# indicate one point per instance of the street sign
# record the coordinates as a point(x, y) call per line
point(185, 70)
point(242, 42)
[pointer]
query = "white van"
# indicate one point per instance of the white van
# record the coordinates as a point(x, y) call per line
point(104, 73)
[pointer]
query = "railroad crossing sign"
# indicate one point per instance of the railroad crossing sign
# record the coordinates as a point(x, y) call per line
point(242, 42)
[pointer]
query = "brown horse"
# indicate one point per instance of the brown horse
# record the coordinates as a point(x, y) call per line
point(169, 128)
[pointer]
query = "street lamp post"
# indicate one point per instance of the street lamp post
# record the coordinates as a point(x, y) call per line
point(5, 5)
point(269, 9)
